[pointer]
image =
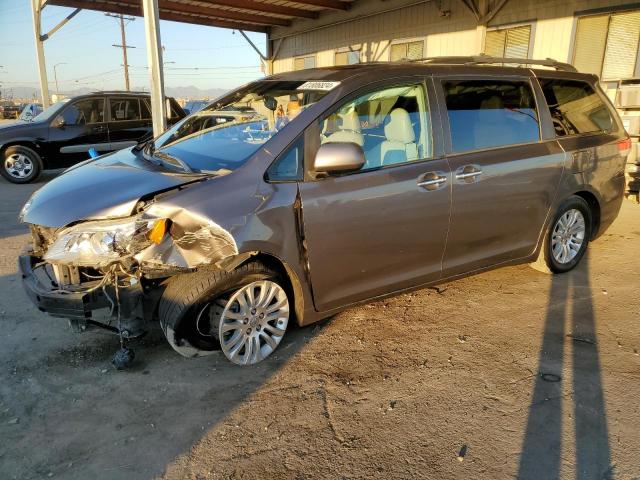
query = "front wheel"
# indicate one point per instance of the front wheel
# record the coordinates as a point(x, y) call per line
point(20, 164)
point(568, 235)
point(244, 312)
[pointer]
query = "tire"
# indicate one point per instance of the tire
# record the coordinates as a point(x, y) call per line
point(561, 250)
point(193, 305)
point(20, 164)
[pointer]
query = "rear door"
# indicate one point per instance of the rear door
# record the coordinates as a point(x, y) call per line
point(382, 228)
point(505, 172)
point(126, 122)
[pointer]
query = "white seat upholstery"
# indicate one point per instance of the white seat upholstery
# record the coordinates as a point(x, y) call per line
point(400, 145)
point(348, 131)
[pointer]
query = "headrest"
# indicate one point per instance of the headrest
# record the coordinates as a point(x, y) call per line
point(399, 128)
point(350, 121)
point(493, 102)
point(293, 108)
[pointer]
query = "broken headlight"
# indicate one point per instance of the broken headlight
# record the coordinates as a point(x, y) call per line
point(99, 243)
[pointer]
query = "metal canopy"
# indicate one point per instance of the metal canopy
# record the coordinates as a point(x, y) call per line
point(250, 15)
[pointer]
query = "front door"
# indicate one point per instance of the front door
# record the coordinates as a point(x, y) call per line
point(505, 177)
point(77, 128)
point(382, 228)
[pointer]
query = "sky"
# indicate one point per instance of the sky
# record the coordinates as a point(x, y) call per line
point(194, 55)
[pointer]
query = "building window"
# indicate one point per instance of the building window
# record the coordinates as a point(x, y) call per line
point(347, 58)
point(302, 63)
point(407, 51)
point(508, 42)
point(607, 45)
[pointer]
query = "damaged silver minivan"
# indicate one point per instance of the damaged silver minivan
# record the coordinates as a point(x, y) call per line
point(299, 195)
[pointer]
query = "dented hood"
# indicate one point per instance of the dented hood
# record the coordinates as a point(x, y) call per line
point(107, 187)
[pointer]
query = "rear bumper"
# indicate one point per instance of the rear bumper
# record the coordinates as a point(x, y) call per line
point(46, 295)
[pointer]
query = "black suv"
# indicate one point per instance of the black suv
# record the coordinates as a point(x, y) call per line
point(63, 134)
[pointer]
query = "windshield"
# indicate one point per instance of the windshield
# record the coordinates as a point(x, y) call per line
point(50, 112)
point(222, 136)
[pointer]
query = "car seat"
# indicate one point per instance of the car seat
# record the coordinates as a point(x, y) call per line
point(400, 144)
point(348, 130)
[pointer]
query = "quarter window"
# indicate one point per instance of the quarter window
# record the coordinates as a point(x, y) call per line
point(123, 109)
point(84, 112)
point(390, 125)
point(287, 167)
point(575, 107)
point(490, 113)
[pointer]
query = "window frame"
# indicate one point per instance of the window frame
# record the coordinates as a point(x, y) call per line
point(115, 120)
point(75, 102)
point(605, 100)
point(406, 41)
point(444, 114)
point(303, 57)
point(314, 129)
point(508, 26)
point(601, 12)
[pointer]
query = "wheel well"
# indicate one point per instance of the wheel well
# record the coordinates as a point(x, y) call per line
point(594, 206)
point(292, 283)
point(23, 143)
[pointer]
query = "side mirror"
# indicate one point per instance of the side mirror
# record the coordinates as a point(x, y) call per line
point(339, 157)
point(58, 122)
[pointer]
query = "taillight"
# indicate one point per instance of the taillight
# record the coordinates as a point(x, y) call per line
point(624, 146)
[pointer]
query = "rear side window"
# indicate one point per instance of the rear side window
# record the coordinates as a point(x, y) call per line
point(490, 113)
point(575, 107)
point(124, 109)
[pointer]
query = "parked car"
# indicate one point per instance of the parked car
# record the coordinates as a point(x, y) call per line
point(628, 105)
point(30, 111)
point(9, 110)
point(62, 134)
point(193, 106)
point(384, 178)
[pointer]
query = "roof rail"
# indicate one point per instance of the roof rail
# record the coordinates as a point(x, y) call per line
point(120, 92)
point(489, 60)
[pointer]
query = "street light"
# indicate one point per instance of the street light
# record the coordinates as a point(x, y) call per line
point(55, 75)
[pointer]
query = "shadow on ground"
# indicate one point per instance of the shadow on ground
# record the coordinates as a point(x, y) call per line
point(569, 336)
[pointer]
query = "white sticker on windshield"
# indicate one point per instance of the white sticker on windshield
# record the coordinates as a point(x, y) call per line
point(318, 85)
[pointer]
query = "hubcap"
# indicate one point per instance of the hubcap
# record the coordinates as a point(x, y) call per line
point(568, 236)
point(253, 322)
point(18, 165)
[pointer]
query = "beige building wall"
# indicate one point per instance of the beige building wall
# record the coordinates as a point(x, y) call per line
point(455, 33)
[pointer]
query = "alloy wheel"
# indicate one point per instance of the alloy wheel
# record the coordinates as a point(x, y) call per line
point(253, 322)
point(568, 235)
point(18, 165)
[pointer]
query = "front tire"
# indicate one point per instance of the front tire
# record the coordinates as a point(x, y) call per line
point(568, 236)
point(244, 312)
point(20, 164)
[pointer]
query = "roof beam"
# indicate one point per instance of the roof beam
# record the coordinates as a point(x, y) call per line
point(264, 8)
point(134, 8)
point(330, 4)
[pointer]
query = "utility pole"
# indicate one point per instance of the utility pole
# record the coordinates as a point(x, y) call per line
point(123, 45)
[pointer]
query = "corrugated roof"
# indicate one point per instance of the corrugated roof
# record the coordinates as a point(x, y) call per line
point(251, 15)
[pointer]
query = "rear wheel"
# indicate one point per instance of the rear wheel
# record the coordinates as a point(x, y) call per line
point(20, 164)
point(568, 235)
point(244, 312)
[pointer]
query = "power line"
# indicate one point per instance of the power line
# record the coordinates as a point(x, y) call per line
point(123, 45)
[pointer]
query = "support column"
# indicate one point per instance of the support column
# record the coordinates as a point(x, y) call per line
point(154, 60)
point(36, 9)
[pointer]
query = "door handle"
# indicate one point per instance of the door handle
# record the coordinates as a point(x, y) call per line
point(98, 129)
point(468, 172)
point(432, 180)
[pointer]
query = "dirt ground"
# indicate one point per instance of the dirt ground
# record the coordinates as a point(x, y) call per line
point(512, 373)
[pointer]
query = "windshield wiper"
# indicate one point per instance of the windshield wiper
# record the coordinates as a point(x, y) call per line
point(171, 160)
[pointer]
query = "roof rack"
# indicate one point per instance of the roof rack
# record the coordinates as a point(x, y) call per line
point(488, 60)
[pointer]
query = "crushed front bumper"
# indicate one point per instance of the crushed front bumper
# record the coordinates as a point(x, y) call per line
point(79, 304)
